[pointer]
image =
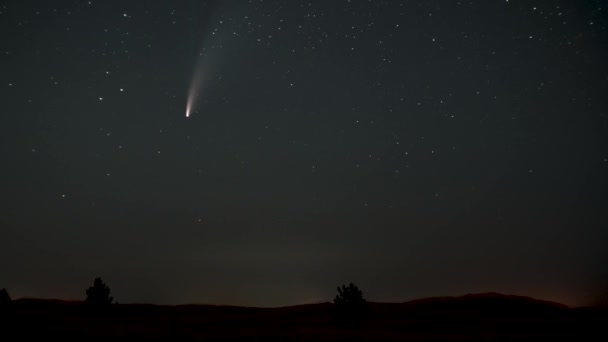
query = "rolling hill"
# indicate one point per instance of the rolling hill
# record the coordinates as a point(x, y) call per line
point(488, 316)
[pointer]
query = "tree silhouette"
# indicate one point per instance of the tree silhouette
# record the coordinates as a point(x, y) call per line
point(5, 299)
point(99, 294)
point(350, 307)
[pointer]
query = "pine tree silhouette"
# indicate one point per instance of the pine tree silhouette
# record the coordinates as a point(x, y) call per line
point(5, 299)
point(99, 294)
point(350, 307)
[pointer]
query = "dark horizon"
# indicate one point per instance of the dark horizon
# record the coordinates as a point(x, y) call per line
point(490, 316)
point(416, 301)
point(415, 148)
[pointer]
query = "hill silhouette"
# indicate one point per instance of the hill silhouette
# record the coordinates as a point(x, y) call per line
point(490, 301)
point(489, 316)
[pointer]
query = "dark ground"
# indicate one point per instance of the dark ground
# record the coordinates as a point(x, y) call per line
point(487, 317)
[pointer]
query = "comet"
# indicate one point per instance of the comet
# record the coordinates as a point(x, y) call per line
point(188, 106)
point(193, 91)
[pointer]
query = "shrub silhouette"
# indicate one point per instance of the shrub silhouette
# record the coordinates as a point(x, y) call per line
point(99, 294)
point(5, 299)
point(350, 307)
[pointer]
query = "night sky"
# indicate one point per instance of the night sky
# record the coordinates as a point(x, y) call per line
point(415, 148)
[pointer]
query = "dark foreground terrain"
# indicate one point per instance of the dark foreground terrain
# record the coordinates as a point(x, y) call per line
point(487, 317)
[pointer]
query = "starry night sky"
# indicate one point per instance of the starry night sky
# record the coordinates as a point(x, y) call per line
point(416, 148)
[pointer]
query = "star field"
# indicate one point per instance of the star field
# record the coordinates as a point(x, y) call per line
point(417, 148)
